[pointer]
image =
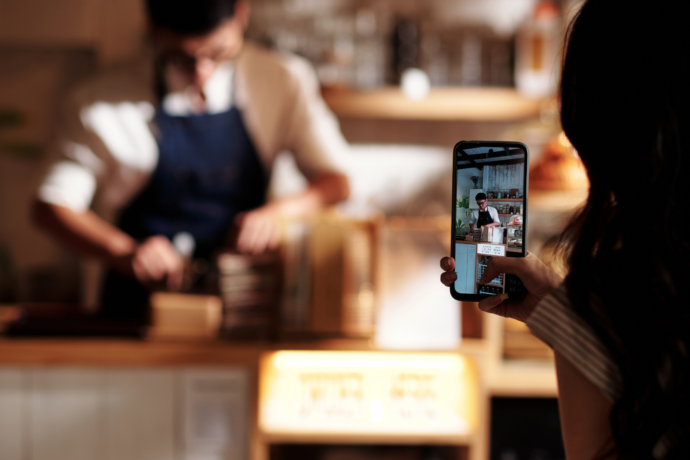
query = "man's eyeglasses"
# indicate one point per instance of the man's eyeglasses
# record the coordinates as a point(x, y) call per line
point(187, 62)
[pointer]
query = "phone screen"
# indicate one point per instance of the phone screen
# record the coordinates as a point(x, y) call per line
point(490, 214)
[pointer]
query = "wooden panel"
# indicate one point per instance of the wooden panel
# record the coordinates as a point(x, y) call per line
point(64, 408)
point(49, 23)
point(472, 321)
point(215, 414)
point(124, 25)
point(12, 420)
point(359, 278)
point(138, 416)
point(326, 251)
point(157, 415)
point(504, 177)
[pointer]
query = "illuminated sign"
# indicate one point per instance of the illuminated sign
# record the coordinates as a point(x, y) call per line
point(315, 392)
point(491, 249)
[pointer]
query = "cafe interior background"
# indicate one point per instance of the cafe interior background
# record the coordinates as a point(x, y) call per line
point(359, 352)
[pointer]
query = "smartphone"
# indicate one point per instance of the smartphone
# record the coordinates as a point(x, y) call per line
point(489, 215)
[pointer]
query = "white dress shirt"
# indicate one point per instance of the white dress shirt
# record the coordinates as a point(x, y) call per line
point(107, 149)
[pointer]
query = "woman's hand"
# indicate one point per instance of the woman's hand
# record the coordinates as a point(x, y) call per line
point(538, 279)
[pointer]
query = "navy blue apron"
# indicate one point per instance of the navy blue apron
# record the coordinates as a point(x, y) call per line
point(208, 172)
point(484, 218)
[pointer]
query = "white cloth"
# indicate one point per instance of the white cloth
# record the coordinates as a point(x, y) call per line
point(492, 212)
point(107, 149)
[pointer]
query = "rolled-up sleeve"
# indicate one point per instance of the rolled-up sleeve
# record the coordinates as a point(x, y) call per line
point(555, 322)
point(314, 133)
point(72, 168)
point(494, 214)
point(68, 184)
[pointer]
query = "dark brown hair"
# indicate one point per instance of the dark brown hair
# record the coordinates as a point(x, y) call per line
point(189, 17)
point(625, 106)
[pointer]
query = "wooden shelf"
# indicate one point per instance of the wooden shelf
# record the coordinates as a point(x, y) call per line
point(441, 104)
point(511, 215)
point(504, 199)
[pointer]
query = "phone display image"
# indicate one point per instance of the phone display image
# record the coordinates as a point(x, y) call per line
point(489, 216)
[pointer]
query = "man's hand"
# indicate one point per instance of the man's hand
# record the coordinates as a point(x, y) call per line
point(538, 279)
point(258, 230)
point(154, 263)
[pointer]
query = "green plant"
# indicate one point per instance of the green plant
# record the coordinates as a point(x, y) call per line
point(463, 203)
point(475, 179)
point(460, 228)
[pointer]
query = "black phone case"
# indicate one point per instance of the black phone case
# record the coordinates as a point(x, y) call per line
point(518, 291)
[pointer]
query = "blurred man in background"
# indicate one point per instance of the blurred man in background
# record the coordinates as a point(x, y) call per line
point(185, 143)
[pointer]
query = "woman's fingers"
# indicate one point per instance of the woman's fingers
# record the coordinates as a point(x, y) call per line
point(491, 302)
point(447, 263)
point(498, 265)
point(448, 278)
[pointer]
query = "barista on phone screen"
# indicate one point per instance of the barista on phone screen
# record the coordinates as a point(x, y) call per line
point(485, 216)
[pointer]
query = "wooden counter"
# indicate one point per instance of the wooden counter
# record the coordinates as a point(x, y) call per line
point(80, 378)
point(142, 353)
point(36, 352)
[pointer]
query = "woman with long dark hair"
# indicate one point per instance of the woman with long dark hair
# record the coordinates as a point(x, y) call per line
point(619, 323)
